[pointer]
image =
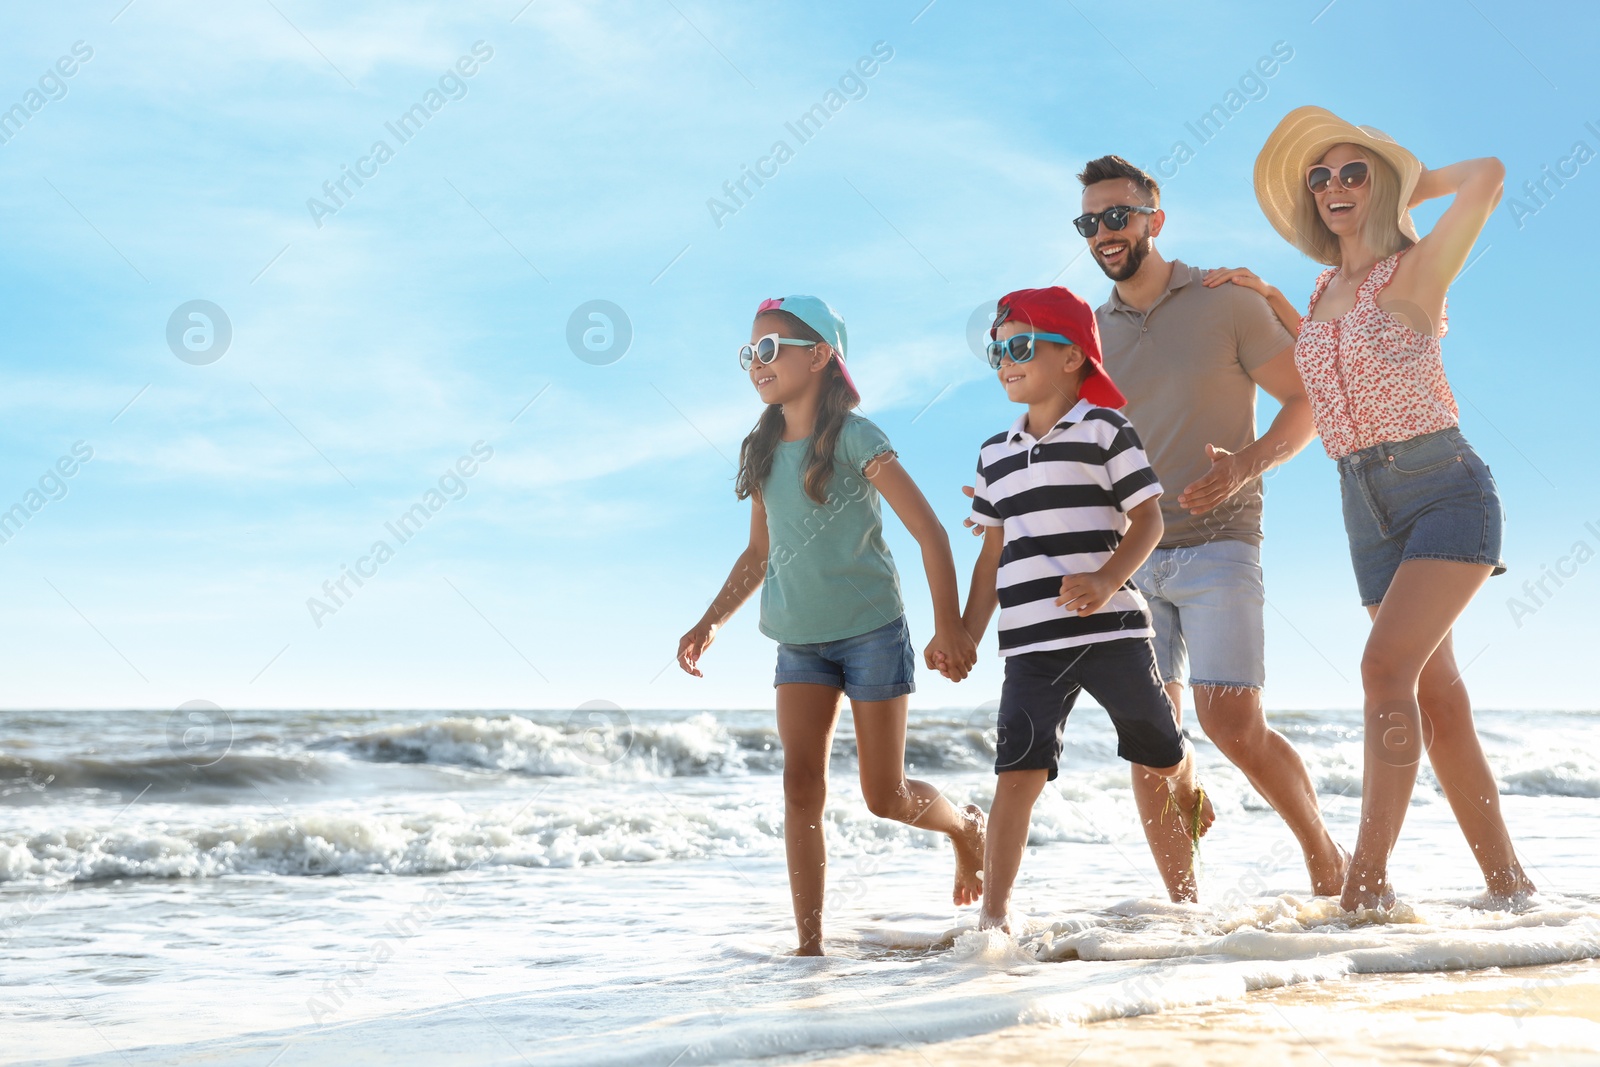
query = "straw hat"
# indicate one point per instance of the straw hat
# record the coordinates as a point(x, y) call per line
point(1299, 141)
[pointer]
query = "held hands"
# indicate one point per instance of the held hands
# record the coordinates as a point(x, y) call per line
point(1085, 594)
point(952, 652)
point(693, 645)
point(1227, 476)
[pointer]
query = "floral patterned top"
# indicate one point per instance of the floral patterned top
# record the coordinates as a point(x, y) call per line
point(1370, 377)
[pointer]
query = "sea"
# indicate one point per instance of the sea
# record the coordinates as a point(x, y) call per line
point(604, 887)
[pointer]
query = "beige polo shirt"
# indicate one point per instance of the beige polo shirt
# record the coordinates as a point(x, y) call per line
point(1185, 366)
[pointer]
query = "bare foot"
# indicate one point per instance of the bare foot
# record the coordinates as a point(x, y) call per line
point(1205, 816)
point(1366, 888)
point(969, 855)
point(809, 950)
point(1328, 871)
point(994, 922)
point(1194, 804)
point(1510, 887)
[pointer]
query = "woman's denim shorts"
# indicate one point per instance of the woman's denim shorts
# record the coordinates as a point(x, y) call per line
point(1429, 497)
point(876, 665)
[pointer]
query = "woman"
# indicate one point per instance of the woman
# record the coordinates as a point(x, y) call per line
point(1421, 509)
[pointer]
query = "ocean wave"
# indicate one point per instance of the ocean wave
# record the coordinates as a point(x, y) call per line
point(1564, 778)
point(607, 744)
point(585, 746)
point(337, 843)
point(1428, 935)
point(566, 832)
point(21, 776)
point(445, 838)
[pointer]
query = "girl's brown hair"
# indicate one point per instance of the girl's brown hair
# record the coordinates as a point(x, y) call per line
point(1380, 231)
point(755, 454)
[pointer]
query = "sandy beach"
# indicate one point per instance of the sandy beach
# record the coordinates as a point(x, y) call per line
point(1545, 1016)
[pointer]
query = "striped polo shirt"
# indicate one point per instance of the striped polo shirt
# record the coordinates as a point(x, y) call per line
point(1063, 501)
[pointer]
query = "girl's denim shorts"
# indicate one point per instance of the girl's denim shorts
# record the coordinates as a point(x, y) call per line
point(1429, 497)
point(876, 665)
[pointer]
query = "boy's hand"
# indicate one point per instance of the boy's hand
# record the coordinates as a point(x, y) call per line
point(951, 652)
point(692, 645)
point(977, 530)
point(1085, 594)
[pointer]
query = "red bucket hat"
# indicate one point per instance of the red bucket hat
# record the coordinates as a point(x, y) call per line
point(1059, 310)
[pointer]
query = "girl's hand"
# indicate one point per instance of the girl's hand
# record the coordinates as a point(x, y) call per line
point(692, 645)
point(1238, 276)
point(1085, 594)
point(951, 652)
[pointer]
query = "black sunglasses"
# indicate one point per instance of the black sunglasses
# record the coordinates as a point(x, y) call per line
point(1115, 218)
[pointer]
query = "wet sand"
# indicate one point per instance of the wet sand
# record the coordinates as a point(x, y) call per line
point(1536, 1016)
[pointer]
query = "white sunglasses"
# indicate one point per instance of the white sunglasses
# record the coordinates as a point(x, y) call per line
point(766, 349)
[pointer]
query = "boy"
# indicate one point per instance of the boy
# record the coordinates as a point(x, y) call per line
point(1071, 509)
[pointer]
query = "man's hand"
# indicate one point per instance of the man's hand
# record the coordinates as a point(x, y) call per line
point(1228, 474)
point(1085, 594)
point(951, 652)
point(693, 645)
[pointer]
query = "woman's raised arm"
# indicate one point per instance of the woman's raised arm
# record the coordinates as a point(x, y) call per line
point(1428, 269)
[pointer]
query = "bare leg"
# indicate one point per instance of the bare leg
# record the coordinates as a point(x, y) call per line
point(1236, 723)
point(881, 751)
point(1422, 604)
point(1166, 831)
point(1464, 774)
point(806, 718)
point(1014, 797)
point(1193, 808)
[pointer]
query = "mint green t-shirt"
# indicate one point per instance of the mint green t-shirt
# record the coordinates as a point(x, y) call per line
point(829, 572)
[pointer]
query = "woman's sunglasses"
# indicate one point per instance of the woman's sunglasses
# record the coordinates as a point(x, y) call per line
point(1019, 347)
point(1115, 218)
point(766, 349)
point(1353, 175)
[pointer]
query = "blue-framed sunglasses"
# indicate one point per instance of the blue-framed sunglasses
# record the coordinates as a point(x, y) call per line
point(1019, 347)
point(766, 349)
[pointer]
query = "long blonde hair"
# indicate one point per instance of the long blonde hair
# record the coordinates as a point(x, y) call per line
point(1381, 230)
point(756, 452)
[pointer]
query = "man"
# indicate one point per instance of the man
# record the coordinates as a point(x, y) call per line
point(1188, 351)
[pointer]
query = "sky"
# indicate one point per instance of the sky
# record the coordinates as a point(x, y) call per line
point(426, 328)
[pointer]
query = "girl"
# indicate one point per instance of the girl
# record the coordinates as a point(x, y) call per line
point(1421, 510)
point(830, 596)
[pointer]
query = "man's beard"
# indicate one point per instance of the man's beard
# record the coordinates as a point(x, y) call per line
point(1138, 249)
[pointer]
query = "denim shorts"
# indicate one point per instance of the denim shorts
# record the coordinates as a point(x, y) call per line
point(1429, 497)
point(1206, 607)
point(876, 665)
point(1041, 688)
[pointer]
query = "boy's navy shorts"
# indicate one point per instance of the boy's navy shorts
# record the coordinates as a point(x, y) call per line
point(1041, 688)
